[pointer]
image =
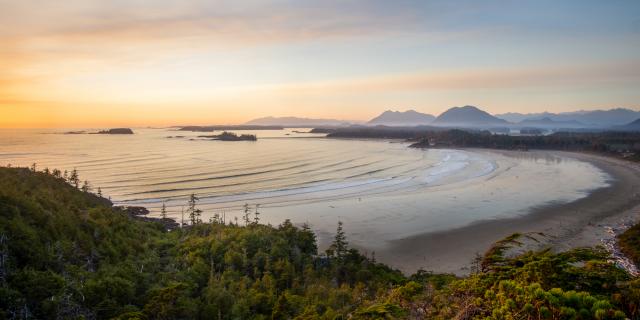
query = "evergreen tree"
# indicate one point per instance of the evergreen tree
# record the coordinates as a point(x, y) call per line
point(194, 213)
point(256, 218)
point(163, 211)
point(74, 178)
point(86, 187)
point(216, 218)
point(99, 193)
point(282, 309)
point(339, 245)
point(33, 167)
point(56, 173)
point(134, 270)
point(247, 213)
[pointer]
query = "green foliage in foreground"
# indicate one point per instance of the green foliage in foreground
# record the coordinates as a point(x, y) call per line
point(630, 243)
point(578, 284)
point(67, 254)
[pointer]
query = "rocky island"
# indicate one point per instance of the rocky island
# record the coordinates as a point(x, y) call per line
point(230, 136)
point(107, 131)
point(116, 131)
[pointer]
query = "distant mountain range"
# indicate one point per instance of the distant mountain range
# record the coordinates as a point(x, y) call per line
point(296, 122)
point(467, 116)
point(547, 123)
point(596, 118)
point(473, 117)
point(632, 126)
point(470, 116)
point(398, 118)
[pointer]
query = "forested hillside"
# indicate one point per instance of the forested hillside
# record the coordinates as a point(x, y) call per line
point(630, 243)
point(68, 254)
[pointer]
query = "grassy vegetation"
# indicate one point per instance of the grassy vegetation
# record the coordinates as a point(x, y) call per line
point(629, 243)
point(66, 253)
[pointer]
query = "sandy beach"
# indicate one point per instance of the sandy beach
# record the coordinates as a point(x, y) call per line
point(433, 209)
point(564, 226)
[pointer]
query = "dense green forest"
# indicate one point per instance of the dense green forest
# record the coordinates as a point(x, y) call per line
point(604, 142)
point(625, 144)
point(66, 253)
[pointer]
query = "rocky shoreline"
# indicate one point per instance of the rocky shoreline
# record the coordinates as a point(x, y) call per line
point(115, 131)
point(611, 245)
point(140, 213)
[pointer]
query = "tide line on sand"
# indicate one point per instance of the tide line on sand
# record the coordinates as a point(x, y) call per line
point(580, 223)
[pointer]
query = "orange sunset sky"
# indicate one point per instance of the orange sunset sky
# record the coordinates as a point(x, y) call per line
point(145, 63)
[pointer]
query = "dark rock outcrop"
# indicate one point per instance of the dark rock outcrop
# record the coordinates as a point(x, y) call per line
point(116, 131)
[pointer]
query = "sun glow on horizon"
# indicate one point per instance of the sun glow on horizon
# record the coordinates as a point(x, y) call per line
point(101, 64)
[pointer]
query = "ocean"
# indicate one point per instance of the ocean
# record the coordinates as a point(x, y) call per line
point(381, 190)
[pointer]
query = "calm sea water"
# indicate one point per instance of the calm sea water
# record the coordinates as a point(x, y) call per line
point(381, 189)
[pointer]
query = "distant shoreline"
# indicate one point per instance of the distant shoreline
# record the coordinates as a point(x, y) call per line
point(576, 224)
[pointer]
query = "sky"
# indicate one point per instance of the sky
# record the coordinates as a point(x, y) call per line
point(88, 63)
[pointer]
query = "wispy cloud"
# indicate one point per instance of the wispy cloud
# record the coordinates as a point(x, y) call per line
point(62, 38)
point(78, 22)
point(223, 53)
point(469, 79)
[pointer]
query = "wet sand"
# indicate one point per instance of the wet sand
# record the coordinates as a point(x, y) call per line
point(575, 224)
